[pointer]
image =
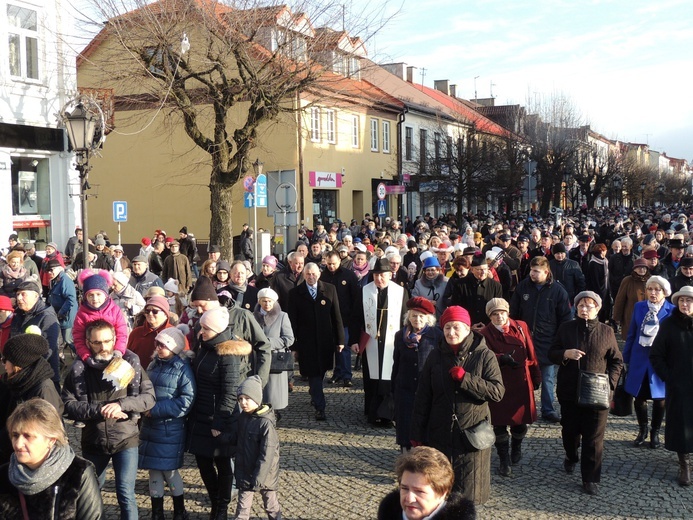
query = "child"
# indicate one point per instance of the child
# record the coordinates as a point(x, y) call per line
point(97, 305)
point(257, 452)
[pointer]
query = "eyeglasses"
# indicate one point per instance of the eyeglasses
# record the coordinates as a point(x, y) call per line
point(101, 343)
point(158, 345)
point(151, 310)
point(588, 307)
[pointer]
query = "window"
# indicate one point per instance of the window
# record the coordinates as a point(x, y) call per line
point(355, 131)
point(374, 135)
point(354, 68)
point(423, 137)
point(408, 142)
point(23, 42)
point(386, 137)
point(315, 124)
point(331, 130)
point(436, 144)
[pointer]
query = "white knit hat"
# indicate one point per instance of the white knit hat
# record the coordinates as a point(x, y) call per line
point(171, 285)
point(173, 339)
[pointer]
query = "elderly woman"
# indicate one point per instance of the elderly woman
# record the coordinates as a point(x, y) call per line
point(269, 267)
point(460, 377)
point(413, 344)
point(641, 380)
point(277, 327)
point(511, 342)
point(44, 479)
point(12, 274)
point(425, 478)
point(584, 337)
point(630, 292)
point(672, 360)
point(431, 284)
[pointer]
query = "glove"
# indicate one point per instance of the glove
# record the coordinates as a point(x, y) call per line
point(457, 373)
point(415, 444)
point(508, 360)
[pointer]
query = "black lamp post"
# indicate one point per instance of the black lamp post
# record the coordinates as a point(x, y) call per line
point(618, 184)
point(81, 124)
point(642, 193)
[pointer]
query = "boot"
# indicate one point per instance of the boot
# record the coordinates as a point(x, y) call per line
point(179, 512)
point(684, 477)
point(158, 508)
point(654, 439)
point(641, 414)
point(515, 450)
point(223, 498)
point(657, 417)
point(357, 363)
point(503, 454)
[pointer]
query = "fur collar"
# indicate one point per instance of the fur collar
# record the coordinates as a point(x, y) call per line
point(456, 508)
point(269, 318)
point(234, 347)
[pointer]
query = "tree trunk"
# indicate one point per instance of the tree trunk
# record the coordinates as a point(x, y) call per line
point(220, 226)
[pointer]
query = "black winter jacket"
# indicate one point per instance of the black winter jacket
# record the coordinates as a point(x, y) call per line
point(257, 454)
point(456, 508)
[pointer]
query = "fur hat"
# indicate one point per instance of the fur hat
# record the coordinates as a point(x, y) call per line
point(23, 350)
point(455, 313)
point(159, 302)
point(173, 339)
point(216, 320)
point(252, 387)
point(421, 304)
point(267, 293)
point(203, 290)
point(588, 294)
point(496, 304)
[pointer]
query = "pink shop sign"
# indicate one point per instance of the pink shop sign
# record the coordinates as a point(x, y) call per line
point(325, 179)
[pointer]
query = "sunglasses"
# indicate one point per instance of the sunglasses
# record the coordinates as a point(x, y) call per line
point(152, 311)
point(158, 345)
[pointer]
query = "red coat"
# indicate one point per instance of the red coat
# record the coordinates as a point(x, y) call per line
point(517, 406)
point(5, 332)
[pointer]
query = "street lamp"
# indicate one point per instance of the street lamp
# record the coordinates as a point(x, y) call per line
point(642, 193)
point(82, 117)
point(661, 188)
point(257, 168)
point(618, 184)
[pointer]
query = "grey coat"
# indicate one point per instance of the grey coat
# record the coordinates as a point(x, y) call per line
point(277, 327)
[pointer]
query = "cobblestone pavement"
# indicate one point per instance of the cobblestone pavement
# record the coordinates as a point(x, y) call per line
point(341, 468)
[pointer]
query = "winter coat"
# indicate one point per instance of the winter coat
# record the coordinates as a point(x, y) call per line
point(620, 266)
point(247, 248)
point(455, 508)
point(672, 360)
point(602, 355)
point(277, 327)
point(109, 312)
point(680, 281)
point(143, 282)
point(257, 455)
point(543, 309)
point(637, 357)
point(407, 365)
point(75, 495)
point(156, 264)
point(632, 291)
point(438, 395)
point(142, 341)
point(245, 300)
point(473, 295)
point(63, 299)
point(130, 302)
point(517, 406)
point(162, 436)
point(219, 370)
point(432, 290)
point(178, 267)
point(350, 299)
point(42, 316)
point(10, 280)
point(318, 327)
point(282, 282)
point(45, 275)
point(106, 436)
point(569, 274)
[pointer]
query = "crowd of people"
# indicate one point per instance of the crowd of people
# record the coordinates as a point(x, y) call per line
point(454, 323)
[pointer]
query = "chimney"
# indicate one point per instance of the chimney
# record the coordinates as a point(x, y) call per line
point(410, 74)
point(453, 91)
point(441, 85)
point(395, 68)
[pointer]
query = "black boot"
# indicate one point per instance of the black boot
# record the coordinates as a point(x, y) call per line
point(684, 477)
point(657, 417)
point(223, 497)
point(357, 363)
point(158, 508)
point(515, 450)
point(503, 450)
point(179, 512)
point(641, 414)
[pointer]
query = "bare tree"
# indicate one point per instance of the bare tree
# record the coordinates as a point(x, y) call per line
point(222, 69)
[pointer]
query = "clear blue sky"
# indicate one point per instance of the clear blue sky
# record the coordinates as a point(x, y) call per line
point(626, 65)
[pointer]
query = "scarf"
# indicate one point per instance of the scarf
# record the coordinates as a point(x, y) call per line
point(411, 338)
point(650, 324)
point(360, 271)
point(14, 275)
point(26, 379)
point(605, 263)
point(32, 481)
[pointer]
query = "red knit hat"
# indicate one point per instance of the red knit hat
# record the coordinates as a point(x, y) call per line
point(455, 313)
point(421, 304)
point(147, 241)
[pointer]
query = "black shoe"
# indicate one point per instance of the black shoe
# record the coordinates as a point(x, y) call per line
point(348, 383)
point(551, 417)
point(569, 466)
point(590, 488)
point(504, 468)
point(334, 380)
point(320, 415)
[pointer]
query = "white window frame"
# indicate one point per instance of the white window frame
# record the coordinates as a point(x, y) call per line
point(355, 131)
point(386, 137)
point(315, 124)
point(331, 127)
point(375, 145)
point(24, 36)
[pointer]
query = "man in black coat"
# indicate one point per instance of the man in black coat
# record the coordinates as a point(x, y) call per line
point(581, 254)
point(288, 278)
point(566, 271)
point(475, 290)
point(317, 324)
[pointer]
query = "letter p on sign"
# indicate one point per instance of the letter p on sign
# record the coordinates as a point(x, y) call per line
point(120, 211)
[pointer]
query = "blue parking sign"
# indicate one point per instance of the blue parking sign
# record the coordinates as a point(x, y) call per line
point(120, 211)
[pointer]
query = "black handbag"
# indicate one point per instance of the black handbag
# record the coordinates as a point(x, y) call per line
point(480, 436)
point(593, 390)
point(282, 361)
point(622, 403)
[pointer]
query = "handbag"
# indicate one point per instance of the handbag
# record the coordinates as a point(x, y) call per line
point(593, 390)
point(282, 361)
point(622, 403)
point(478, 437)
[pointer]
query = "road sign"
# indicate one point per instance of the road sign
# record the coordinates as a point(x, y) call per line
point(120, 211)
point(381, 191)
point(248, 183)
point(248, 200)
point(285, 196)
point(382, 208)
point(261, 191)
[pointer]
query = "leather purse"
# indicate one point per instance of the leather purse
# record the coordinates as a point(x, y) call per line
point(282, 361)
point(593, 390)
point(622, 403)
point(480, 436)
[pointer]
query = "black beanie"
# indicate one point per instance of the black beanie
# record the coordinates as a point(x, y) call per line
point(203, 290)
point(558, 248)
point(25, 349)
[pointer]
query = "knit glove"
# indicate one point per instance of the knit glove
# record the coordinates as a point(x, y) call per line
point(457, 373)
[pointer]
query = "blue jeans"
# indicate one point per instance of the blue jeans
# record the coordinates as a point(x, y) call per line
point(342, 360)
point(548, 384)
point(316, 391)
point(125, 468)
